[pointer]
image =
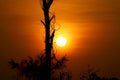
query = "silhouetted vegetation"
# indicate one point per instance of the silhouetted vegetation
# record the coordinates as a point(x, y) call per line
point(49, 34)
point(35, 69)
point(47, 66)
point(91, 74)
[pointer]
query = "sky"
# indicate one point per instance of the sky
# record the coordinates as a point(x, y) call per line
point(91, 28)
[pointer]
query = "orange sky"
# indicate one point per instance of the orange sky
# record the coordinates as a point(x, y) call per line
point(92, 28)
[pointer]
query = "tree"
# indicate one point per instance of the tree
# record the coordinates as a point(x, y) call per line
point(91, 74)
point(34, 69)
point(48, 37)
point(47, 64)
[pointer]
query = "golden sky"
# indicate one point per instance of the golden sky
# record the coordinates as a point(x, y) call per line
point(92, 28)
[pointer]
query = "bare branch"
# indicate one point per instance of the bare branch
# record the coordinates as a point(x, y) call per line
point(53, 34)
point(43, 23)
point(52, 18)
point(49, 3)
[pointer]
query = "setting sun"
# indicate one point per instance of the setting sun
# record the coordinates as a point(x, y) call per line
point(61, 41)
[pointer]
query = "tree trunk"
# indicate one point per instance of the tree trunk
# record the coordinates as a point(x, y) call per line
point(48, 40)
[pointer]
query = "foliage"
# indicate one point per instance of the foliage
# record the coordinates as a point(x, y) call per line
point(35, 69)
point(91, 74)
point(46, 65)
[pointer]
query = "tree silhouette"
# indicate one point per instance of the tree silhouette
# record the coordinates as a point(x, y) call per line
point(91, 74)
point(35, 69)
point(49, 34)
point(47, 66)
point(47, 63)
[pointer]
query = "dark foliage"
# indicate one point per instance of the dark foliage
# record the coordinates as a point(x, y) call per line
point(35, 69)
point(91, 74)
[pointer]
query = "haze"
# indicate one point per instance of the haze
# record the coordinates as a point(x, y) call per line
point(92, 29)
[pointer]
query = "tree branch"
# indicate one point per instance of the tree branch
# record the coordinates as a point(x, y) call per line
point(43, 23)
point(52, 18)
point(49, 3)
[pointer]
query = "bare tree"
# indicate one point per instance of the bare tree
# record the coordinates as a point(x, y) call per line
point(48, 34)
point(50, 63)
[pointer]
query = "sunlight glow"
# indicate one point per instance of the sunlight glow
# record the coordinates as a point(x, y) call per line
point(61, 41)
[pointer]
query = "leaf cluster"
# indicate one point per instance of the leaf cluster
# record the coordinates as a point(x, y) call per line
point(35, 69)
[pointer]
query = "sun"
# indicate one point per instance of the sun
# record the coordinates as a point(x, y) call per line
point(61, 41)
